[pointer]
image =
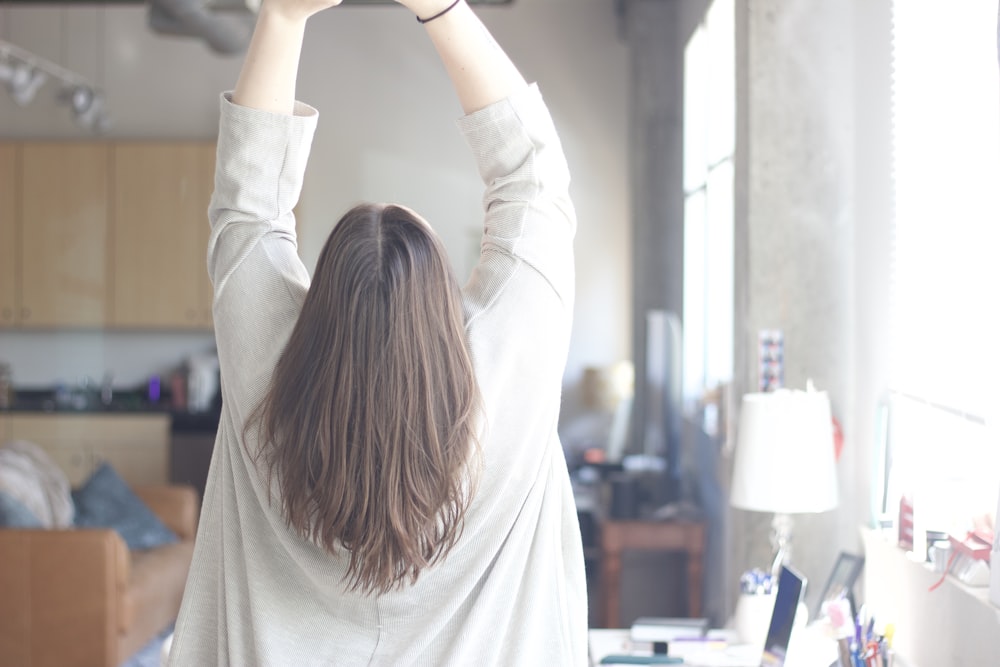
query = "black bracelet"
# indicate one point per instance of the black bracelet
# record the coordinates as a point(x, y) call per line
point(440, 13)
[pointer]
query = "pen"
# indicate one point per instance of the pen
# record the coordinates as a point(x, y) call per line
point(889, 631)
point(844, 653)
point(872, 657)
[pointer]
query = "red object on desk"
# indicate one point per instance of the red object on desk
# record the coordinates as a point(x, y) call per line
point(906, 523)
point(974, 546)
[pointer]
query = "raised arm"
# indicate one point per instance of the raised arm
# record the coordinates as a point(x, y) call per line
point(479, 69)
point(267, 79)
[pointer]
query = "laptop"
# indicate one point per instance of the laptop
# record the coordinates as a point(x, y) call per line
point(791, 587)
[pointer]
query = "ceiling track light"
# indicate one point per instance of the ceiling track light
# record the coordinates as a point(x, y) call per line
point(22, 81)
point(24, 73)
point(87, 105)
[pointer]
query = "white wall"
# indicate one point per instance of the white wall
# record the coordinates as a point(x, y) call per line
point(386, 133)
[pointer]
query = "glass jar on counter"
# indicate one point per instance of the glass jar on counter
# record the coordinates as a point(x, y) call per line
point(6, 386)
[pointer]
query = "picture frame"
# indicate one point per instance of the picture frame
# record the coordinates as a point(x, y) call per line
point(840, 583)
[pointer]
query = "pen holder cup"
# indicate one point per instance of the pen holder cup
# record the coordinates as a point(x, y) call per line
point(752, 617)
point(995, 578)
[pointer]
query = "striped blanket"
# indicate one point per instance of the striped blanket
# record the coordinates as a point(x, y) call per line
point(29, 475)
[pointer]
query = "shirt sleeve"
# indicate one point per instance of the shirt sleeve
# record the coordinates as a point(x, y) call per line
point(258, 279)
point(529, 222)
point(519, 299)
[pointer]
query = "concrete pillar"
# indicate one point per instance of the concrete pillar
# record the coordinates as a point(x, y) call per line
point(795, 235)
point(656, 45)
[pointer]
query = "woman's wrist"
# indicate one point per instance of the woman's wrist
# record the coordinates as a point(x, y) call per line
point(424, 10)
point(436, 15)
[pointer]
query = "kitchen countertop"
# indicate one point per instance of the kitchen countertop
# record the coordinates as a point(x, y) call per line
point(49, 400)
point(122, 402)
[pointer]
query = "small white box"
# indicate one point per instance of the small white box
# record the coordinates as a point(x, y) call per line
point(995, 560)
point(995, 578)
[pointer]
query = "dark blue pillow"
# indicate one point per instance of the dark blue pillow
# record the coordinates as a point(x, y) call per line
point(14, 514)
point(106, 501)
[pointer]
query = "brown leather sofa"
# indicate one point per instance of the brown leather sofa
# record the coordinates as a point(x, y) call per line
point(80, 597)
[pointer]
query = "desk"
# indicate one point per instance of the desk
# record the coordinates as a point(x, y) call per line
point(810, 647)
point(603, 642)
point(619, 536)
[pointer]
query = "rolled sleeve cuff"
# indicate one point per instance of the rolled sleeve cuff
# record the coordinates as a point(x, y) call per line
point(262, 158)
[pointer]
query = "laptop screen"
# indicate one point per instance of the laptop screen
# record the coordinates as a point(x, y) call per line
point(791, 585)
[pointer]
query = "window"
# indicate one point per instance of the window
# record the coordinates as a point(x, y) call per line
point(946, 267)
point(709, 144)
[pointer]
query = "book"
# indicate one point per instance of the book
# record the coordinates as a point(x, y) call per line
point(665, 629)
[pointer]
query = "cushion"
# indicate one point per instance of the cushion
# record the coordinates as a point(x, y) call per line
point(106, 501)
point(14, 513)
point(31, 477)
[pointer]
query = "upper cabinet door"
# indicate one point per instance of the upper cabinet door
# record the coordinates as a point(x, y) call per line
point(8, 235)
point(160, 223)
point(207, 161)
point(64, 234)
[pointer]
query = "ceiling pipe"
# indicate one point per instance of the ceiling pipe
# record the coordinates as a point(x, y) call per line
point(226, 34)
point(224, 25)
point(64, 3)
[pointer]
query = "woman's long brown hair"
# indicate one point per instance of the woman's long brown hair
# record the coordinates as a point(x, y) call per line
point(369, 425)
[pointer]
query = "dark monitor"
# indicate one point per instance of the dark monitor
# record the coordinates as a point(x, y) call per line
point(791, 586)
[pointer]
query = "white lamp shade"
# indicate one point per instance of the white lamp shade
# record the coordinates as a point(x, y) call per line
point(785, 461)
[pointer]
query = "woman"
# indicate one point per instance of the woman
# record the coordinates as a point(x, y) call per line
point(387, 485)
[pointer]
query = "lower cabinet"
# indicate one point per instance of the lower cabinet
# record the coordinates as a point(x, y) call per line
point(136, 445)
point(190, 458)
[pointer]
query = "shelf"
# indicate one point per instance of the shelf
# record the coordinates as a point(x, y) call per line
point(932, 627)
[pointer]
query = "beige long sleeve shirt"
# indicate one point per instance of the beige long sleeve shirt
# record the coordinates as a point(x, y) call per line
point(513, 590)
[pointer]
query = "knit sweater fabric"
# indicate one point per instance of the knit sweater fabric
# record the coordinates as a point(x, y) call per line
point(512, 591)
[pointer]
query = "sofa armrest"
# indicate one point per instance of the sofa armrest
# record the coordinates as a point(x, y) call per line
point(176, 505)
point(61, 594)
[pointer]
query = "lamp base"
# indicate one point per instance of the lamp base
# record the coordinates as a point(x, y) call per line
point(781, 541)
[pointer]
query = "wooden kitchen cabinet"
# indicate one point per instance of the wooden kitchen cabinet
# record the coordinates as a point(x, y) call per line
point(136, 445)
point(105, 235)
point(8, 234)
point(160, 234)
point(63, 234)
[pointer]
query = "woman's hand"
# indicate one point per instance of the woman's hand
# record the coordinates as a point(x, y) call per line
point(296, 9)
point(267, 79)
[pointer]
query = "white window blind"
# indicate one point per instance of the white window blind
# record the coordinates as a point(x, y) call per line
point(945, 329)
point(946, 127)
point(709, 144)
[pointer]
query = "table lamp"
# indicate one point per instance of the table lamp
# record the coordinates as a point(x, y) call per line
point(785, 461)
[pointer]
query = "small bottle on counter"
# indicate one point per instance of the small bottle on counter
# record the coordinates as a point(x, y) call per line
point(6, 386)
point(153, 389)
point(178, 392)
